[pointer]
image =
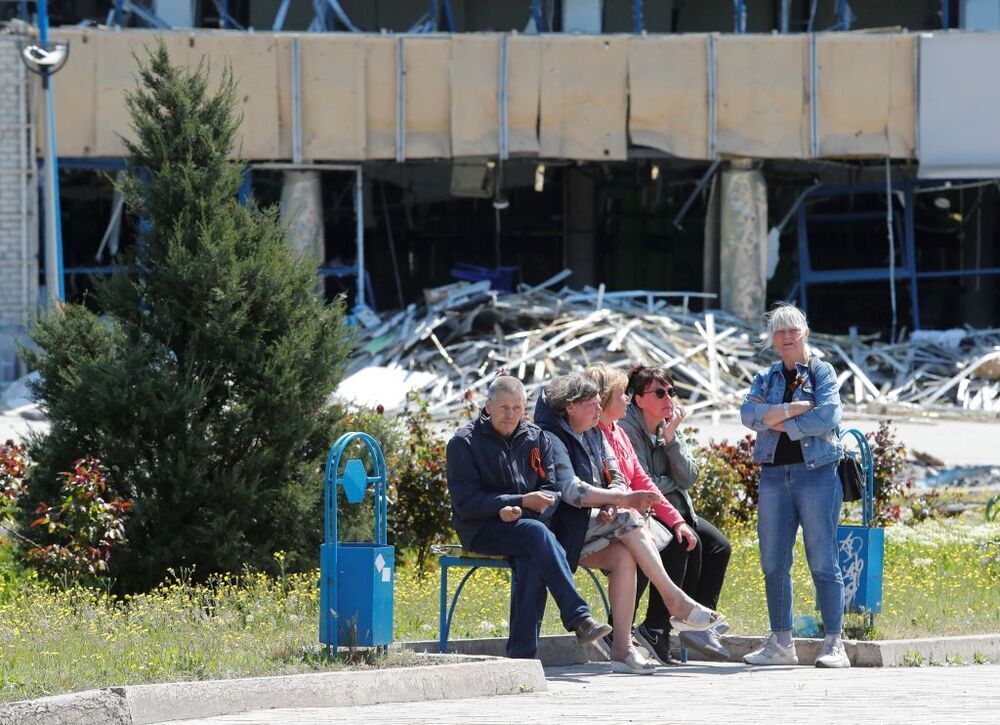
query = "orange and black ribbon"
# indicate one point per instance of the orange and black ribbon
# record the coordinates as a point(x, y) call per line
point(536, 462)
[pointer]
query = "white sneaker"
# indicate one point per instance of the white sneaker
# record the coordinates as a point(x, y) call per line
point(772, 653)
point(833, 655)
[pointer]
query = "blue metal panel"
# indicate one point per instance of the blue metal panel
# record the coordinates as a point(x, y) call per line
point(365, 602)
point(861, 548)
point(861, 564)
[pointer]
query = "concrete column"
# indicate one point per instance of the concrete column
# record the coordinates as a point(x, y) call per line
point(302, 213)
point(580, 220)
point(743, 241)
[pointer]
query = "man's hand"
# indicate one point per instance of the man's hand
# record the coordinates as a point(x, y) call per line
point(684, 535)
point(607, 513)
point(642, 500)
point(510, 514)
point(537, 501)
point(673, 423)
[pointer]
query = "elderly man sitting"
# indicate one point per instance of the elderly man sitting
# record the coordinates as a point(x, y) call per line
point(502, 498)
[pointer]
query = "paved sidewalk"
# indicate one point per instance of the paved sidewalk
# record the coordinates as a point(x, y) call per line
point(693, 694)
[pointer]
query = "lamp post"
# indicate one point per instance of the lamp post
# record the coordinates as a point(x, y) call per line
point(45, 59)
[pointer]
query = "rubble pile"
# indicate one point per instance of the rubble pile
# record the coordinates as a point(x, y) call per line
point(466, 331)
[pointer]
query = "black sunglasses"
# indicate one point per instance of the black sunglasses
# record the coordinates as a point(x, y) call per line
point(661, 393)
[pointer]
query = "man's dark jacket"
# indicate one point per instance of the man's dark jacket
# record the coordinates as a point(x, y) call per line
point(487, 472)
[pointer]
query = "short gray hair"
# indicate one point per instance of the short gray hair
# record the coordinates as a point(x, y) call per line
point(785, 315)
point(505, 385)
point(568, 389)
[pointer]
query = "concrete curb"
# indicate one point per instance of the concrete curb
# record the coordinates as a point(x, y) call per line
point(461, 677)
point(561, 650)
point(880, 653)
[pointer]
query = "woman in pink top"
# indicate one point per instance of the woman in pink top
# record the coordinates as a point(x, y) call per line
point(612, 383)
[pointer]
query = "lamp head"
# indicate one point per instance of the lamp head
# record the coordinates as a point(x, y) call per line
point(45, 58)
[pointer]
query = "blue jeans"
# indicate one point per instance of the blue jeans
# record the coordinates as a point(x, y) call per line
point(537, 563)
point(789, 496)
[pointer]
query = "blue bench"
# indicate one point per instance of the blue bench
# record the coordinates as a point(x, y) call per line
point(473, 562)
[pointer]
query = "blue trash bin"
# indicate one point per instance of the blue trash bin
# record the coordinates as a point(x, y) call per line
point(356, 578)
point(862, 547)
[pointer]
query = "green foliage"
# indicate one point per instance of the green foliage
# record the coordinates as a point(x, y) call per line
point(355, 522)
point(203, 389)
point(924, 507)
point(889, 462)
point(420, 508)
point(992, 512)
point(728, 483)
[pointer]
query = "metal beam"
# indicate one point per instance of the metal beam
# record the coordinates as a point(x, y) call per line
point(740, 16)
point(279, 17)
point(638, 23)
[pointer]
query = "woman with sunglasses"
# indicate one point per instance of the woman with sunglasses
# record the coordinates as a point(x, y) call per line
point(795, 408)
point(652, 421)
point(587, 474)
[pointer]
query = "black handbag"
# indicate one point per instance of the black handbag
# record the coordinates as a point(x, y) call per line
point(852, 478)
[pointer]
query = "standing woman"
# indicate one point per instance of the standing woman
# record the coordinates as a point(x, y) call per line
point(652, 422)
point(795, 408)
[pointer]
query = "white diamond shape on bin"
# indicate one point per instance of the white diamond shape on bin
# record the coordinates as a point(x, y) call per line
point(379, 562)
point(386, 574)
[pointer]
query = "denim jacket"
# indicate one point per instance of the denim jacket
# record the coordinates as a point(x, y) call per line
point(818, 430)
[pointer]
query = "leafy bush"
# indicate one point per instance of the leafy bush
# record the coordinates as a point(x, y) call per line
point(87, 524)
point(204, 388)
point(420, 508)
point(889, 462)
point(728, 483)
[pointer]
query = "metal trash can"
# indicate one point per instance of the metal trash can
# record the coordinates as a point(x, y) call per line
point(356, 578)
point(862, 547)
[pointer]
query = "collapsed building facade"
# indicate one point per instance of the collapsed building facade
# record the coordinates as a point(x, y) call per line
point(841, 154)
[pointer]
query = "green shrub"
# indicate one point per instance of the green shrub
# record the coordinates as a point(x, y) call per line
point(728, 483)
point(204, 387)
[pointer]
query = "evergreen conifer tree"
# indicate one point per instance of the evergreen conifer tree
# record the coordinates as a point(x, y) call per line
point(204, 387)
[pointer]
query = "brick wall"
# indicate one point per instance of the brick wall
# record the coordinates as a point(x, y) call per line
point(18, 202)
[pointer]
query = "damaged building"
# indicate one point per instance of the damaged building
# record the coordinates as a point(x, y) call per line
point(840, 154)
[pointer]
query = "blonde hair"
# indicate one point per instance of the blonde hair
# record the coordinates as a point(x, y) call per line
point(784, 316)
point(607, 379)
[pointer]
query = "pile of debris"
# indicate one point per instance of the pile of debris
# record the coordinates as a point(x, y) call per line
point(468, 331)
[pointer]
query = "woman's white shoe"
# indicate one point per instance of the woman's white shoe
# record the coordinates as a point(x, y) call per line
point(698, 620)
point(634, 664)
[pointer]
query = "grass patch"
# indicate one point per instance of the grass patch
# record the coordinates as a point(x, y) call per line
point(940, 578)
point(55, 640)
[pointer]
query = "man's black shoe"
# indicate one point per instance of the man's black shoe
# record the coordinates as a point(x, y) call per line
point(657, 642)
point(587, 630)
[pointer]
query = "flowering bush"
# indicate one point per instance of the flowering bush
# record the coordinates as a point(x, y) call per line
point(13, 464)
point(86, 524)
point(889, 462)
point(418, 487)
point(728, 482)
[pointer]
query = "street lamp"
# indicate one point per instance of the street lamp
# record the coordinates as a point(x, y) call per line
point(46, 58)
